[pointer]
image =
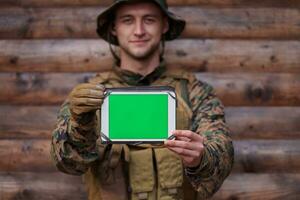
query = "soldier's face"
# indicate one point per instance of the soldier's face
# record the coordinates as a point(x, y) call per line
point(139, 28)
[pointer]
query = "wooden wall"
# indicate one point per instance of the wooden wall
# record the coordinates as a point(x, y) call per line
point(249, 50)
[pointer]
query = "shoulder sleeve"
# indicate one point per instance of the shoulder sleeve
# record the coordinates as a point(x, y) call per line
point(101, 77)
point(73, 146)
point(209, 121)
point(76, 144)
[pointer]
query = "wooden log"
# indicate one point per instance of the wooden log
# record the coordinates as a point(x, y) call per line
point(244, 122)
point(26, 155)
point(250, 186)
point(37, 186)
point(56, 186)
point(263, 122)
point(255, 89)
point(54, 55)
point(196, 55)
point(38, 88)
point(245, 23)
point(255, 156)
point(238, 89)
point(215, 3)
point(276, 23)
point(27, 122)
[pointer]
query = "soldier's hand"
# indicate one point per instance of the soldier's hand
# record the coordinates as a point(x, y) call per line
point(188, 145)
point(86, 97)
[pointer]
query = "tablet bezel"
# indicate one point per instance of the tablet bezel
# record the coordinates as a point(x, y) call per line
point(170, 91)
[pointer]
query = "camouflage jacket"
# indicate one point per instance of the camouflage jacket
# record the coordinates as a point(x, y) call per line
point(76, 147)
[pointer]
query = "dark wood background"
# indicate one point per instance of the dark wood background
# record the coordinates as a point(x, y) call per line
point(249, 50)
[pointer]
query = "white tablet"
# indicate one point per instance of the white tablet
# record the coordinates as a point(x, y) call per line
point(138, 114)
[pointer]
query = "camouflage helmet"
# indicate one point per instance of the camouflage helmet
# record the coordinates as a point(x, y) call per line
point(176, 24)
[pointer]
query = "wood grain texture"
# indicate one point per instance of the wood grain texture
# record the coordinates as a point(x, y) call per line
point(255, 89)
point(27, 121)
point(254, 23)
point(263, 122)
point(249, 51)
point(38, 88)
point(251, 186)
point(197, 55)
point(255, 156)
point(57, 186)
point(244, 122)
point(237, 89)
point(41, 186)
point(26, 155)
point(214, 3)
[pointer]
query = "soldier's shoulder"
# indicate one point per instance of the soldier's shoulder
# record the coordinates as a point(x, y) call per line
point(179, 72)
point(103, 77)
point(183, 73)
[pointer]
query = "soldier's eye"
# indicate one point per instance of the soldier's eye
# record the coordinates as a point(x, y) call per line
point(126, 20)
point(150, 20)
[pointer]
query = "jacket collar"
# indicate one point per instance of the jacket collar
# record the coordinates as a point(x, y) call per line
point(135, 79)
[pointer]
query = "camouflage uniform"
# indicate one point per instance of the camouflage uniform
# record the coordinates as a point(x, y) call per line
point(76, 147)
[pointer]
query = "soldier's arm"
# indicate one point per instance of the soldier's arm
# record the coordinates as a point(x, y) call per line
point(217, 158)
point(73, 146)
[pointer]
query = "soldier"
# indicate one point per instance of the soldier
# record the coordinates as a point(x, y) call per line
point(191, 167)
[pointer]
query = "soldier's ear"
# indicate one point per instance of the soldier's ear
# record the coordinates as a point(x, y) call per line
point(113, 29)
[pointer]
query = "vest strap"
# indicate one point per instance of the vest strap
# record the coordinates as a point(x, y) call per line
point(184, 91)
point(115, 155)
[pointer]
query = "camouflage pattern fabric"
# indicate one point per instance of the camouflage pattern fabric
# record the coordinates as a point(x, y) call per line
point(76, 145)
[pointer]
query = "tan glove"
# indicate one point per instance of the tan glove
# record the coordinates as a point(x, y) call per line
point(85, 99)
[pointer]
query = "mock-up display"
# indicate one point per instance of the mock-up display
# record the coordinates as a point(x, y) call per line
point(138, 114)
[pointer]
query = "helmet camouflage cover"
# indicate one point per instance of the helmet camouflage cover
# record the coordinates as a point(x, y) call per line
point(176, 24)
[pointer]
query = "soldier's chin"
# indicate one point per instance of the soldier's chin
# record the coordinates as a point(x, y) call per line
point(143, 55)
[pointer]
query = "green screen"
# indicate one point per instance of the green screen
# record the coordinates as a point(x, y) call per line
point(138, 116)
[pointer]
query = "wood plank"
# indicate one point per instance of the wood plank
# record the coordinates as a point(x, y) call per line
point(244, 122)
point(238, 89)
point(244, 23)
point(37, 186)
point(57, 186)
point(253, 156)
point(42, 23)
point(38, 88)
point(263, 122)
point(256, 156)
point(25, 155)
point(250, 186)
point(27, 121)
point(215, 3)
point(255, 89)
point(197, 55)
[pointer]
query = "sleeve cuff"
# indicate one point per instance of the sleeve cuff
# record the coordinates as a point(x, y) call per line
point(201, 168)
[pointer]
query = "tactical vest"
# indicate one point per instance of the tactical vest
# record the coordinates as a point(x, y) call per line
point(143, 172)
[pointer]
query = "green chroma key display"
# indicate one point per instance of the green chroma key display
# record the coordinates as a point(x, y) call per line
point(128, 122)
point(138, 114)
